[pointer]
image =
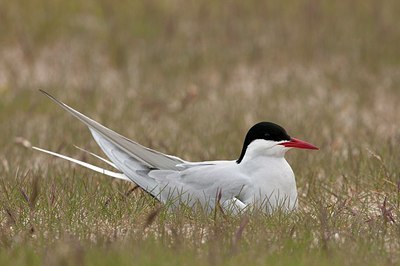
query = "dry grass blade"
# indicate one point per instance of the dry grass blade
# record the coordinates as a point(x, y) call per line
point(31, 200)
point(25, 196)
point(387, 212)
point(218, 207)
point(129, 192)
point(239, 232)
point(152, 216)
point(6, 165)
point(35, 192)
point(10, 216)
point(382, 164)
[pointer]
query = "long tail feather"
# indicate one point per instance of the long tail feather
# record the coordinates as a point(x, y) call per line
point(87, 165)
point(144, 155)
point(98, 157)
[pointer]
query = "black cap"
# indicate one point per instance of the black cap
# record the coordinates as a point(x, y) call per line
point(266, 131)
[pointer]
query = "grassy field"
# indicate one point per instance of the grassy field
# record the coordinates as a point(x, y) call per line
point(189, 78)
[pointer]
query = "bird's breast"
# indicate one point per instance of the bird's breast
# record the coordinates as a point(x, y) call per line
point(271, 181)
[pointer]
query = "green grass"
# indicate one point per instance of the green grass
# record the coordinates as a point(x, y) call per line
point(189, 78)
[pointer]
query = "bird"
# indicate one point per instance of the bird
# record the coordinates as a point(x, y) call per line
point(260, 178)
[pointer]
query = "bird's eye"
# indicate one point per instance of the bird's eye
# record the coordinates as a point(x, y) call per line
point(267, 135)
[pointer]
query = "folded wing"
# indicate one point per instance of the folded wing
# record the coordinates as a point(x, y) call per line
point(146, 156)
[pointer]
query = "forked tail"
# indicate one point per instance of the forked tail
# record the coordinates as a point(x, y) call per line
point(88, 165)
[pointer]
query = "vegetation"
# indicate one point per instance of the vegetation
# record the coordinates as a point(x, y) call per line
point(189, 78)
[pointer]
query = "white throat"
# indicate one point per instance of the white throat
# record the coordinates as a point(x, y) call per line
point(265, 165)
point(264, 148)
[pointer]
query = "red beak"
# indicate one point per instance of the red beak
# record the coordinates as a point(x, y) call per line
point(296, 143)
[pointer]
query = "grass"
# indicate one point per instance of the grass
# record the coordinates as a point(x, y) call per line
point(204, 71)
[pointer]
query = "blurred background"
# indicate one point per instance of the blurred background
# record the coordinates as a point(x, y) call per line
point(189, 78)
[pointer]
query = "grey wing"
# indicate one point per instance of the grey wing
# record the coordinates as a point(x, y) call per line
point(202, 184)
point(146, 156)
point(135, 170)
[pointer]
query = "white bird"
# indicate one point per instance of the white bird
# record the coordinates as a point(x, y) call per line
point(261, 177)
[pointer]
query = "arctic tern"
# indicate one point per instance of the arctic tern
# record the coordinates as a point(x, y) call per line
point(260, 177)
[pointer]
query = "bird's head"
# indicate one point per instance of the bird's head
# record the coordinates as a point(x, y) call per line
point(267, 138)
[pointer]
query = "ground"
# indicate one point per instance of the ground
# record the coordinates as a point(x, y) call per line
point(189, 78)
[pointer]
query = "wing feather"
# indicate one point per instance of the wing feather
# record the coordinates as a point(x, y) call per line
point(148, 157)
point(133, 169)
